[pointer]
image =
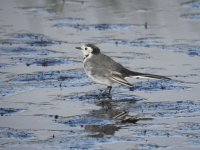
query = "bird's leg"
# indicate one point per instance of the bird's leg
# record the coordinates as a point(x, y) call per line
point(109, 90)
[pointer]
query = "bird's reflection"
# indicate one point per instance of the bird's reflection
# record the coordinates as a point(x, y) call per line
point(109, 111)
point(102, 130)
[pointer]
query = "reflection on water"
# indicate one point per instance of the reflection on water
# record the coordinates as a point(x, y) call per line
point(100, 131)
point(110, 111)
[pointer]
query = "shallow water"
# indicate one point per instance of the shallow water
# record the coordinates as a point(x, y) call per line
point(47, 101)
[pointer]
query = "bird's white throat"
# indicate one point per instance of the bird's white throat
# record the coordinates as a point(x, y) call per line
point(87, 56)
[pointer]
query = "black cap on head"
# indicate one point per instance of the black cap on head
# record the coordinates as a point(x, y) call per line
point(95, 49)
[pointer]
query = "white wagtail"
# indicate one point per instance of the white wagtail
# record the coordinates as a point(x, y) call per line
point(104, 70)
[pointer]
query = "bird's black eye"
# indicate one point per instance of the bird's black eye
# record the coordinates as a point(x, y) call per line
point(86, 48)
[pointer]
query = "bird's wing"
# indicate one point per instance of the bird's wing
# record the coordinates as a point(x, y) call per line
point(112, 65)
point(109, 63)
point(119, 79)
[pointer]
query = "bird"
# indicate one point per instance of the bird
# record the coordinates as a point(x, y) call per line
point(102, 69)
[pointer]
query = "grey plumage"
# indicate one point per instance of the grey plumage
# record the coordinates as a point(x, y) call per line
point(104, 70)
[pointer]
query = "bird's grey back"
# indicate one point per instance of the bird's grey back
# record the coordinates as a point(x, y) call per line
point(103, 61)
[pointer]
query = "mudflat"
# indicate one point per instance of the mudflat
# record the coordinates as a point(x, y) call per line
point(47, 101)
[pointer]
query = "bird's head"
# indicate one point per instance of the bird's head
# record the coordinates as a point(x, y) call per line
point(89, 50)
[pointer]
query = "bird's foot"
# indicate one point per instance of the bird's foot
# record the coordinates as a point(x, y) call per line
point(106, 94)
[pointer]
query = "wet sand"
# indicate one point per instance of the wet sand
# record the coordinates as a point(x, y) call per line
point(48, 102)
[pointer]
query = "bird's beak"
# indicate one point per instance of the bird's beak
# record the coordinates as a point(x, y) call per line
point(78, 48)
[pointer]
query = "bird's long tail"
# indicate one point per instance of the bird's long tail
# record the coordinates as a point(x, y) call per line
point(133, 73)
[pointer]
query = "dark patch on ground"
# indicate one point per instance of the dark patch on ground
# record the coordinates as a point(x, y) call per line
point(91, 96)
point(154, 42)
point(24, 51)
point(167, 109)
point(193, 17)
point(193, 4)
point(153, 132)
point(46, 76)
point(45, 61)
point(30, 39)
point(190, 126)
point(182, 48)
point(3, 66)
point(143, 42)
point(9, 111)
point(99, 27)
point(151, 146)
point(191, 130)
point(13, 133)
point(158, 85)
point(53, 79)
